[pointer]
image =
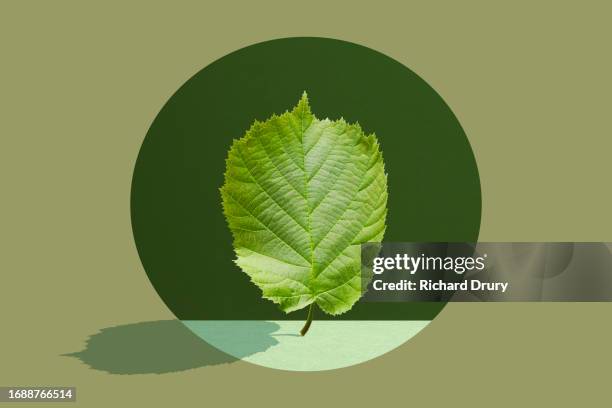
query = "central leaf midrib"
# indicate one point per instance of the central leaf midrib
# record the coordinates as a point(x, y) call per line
point(307, 195)
point(309, 230)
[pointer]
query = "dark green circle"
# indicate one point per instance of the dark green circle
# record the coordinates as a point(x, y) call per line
point(180, 232)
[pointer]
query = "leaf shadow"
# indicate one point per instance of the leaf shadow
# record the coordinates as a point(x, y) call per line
point(163, 346)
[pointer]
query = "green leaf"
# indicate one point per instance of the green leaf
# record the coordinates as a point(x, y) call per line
point(300, 196)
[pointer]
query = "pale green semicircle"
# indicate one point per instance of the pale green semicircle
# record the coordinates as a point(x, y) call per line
point(328, 344)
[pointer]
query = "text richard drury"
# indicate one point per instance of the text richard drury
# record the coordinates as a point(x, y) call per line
point(413, 264)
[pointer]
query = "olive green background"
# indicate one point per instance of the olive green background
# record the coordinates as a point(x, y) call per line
point(80, 84)
point(180, 232)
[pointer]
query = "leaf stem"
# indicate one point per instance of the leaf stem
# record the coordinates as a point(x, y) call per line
point(308, 321)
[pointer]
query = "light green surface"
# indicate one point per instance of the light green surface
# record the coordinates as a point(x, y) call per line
point(328, 344)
